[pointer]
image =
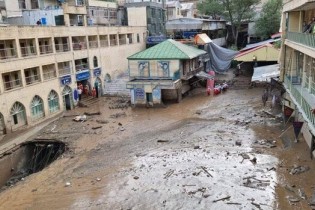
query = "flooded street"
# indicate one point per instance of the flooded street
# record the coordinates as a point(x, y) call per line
point(221, 152)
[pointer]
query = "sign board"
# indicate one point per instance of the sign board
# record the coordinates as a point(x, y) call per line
point(97, 72)
point(155, 39)
point(65, 80)
point(83, 75)
point(139, 93)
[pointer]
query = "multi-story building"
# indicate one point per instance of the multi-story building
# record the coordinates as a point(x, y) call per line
point(297, 63)
point(41, 66)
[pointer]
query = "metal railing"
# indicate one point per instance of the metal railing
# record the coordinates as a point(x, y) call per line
point(8, 53)
point(28, 51)
point(122, 41)
point(306, 108)
point(49, 74)
point(113, 42)
point(45, 49)
point(12, 84)
point(79, 46)
point(62, 47)
point(81, 67)
point(104, 43)
point(32, 79)
point(93, 44)
point(302, 38)
point(64, 71)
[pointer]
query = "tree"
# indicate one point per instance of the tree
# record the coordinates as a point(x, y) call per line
point(269, 21)
point(234, 11)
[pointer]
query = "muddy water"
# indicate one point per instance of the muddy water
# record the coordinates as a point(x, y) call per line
point(198, 154)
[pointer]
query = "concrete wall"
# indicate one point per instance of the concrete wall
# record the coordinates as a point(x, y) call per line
point(12, 8)
point(105, 4)
point(137, 16)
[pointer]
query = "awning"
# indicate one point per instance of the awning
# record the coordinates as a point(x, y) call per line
point(184, 24)
point(265, 73)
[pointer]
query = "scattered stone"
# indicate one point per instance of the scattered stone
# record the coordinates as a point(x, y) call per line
point(80, 118)
point(302, 194)
point(196, 147)
point(119, 124)
point(299, 169)
point(136, 177)
point(92, 113)
point(221, 199)
point(293, 199)
point(162, 141)
point(122, 129)
point(97, 127)
point(254, 160)
point(238, 143)
point(67, 184)
point(34, 190)
point(102, 121)
point(98, 179)
point(198, 112)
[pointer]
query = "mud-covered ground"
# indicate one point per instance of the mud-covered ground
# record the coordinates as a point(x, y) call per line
point(221, 152)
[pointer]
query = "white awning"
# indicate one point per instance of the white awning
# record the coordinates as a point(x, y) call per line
point(265, 73)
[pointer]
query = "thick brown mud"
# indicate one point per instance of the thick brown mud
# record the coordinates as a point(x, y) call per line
point(203, 153)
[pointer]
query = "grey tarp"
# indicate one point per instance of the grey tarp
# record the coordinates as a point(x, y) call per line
point(265, 73)
point(220, 58)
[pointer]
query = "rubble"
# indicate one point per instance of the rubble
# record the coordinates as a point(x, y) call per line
point(79, 118)
point(299, 169)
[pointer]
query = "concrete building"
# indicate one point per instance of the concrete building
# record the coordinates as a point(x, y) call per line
point(297, 64)
point(163, 72)
point(40, 67)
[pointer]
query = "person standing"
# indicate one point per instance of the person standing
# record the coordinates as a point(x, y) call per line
point(79, 93)
point(39, 22)
point(94, 92)
point(96, 88)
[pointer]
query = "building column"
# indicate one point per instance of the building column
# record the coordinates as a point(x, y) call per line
point(179, 94)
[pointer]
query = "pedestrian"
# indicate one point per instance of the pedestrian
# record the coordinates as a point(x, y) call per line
point(39, 22)
point(79, 93)
point(86, 90)
point(94, 92)
point(312, 26)
point(306, 26)
point(81, 87)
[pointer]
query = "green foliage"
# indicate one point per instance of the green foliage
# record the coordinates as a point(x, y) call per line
point(269, 21)
point(234, 11)
point(277, 44)
point(211, 7)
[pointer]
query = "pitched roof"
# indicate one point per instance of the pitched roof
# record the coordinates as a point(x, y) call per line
point(168, 50)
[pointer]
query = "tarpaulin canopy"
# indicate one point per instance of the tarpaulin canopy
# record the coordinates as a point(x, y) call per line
point(265, 73)
point(220, 58)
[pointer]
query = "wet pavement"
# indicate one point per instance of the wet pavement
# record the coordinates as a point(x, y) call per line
point(221, 152)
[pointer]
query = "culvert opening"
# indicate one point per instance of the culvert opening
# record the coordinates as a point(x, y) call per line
point(28, 158)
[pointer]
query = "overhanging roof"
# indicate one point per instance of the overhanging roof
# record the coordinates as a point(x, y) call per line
point(250, 46)
point(265, 73)
point(184, 24)
point(265, 52)
point(168, 50)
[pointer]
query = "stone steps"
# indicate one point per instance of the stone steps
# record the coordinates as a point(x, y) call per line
point(88, 100)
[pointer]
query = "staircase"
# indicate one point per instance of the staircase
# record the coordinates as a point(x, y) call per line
point(87, 101)
point(117, 87)
point(240, 82)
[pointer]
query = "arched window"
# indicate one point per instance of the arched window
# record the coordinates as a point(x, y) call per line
point(2, 125)
point(95, 63)
point(67, 98)
point(53, 102)
point(17, 113)
point(37, 107)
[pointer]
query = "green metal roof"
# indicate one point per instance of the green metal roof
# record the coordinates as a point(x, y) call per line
point(168, 50)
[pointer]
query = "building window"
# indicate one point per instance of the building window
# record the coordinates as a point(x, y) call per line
point(11, 80)
point(95, 63)
point(53, 102)
point(138, 38)
point(32, 75)
point(17, 113)
point(37, 108)
point(22, 4)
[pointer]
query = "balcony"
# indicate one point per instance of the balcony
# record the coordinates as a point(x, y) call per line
point(64, 71)
point(45, 49)
point(306, 39)
point(8, 53)
point(93, 44)
point(79, 46)
point(28, 51)
point(62, 47)
point(302, 97)
point(12, 84)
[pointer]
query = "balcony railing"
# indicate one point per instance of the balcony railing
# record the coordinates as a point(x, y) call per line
point(49, 74)
point(12, 84)
point(104, 43)
point(113, 42)
point(62, 47)
point(302, 38)
point(64, 71)
point(93, 44)
point(28, 51)
point(297, 92)
point(81, 67)
point(8, 53)
point(79, 46)
point(32, 79)
point(45, 49)
point(122, 41)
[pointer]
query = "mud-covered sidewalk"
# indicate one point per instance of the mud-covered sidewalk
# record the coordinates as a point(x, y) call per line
point(221, 152)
